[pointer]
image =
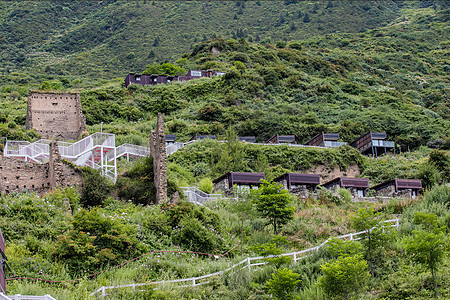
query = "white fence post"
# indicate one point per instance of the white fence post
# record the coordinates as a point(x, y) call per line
point(295, 258)
point(103, 291)
point(248, 264)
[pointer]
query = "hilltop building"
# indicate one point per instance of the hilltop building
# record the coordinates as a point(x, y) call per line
point(372, 143)
point(325, 140)
point(357, 186)
point(399, 187)
point(55, 115)
point(281, 139)
point(301, 184)
point(153, 79)
point(226, 182)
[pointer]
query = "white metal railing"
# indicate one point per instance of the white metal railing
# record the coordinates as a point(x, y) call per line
point(244, 264)
point(199, 197)
point(130, 149)
point(172, 148)
point(333, 144)
point(383, 143)
point(25, 297)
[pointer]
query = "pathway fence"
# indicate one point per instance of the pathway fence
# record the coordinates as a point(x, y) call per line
point(247, 263)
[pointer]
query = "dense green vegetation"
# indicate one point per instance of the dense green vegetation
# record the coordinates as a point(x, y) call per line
point(47, 242)
point(392, 79)
point(292, 67)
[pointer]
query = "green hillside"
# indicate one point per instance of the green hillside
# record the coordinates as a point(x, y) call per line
point(393, 78)
point(108, 38)
point(292, 67)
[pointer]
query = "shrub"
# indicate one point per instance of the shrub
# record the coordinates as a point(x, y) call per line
point(345, 195)
point(344, 277)
point(206, 185)
point(193, 235)
point(283, 284)
point(95, 188)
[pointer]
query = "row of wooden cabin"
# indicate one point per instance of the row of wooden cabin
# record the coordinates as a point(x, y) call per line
point(306, 184)
point(153, 79)
point(370, 143)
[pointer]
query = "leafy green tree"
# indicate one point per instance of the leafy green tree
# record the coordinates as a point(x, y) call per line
point(231, 154)
point(344, 277)
point(283, 283)
point(427, 247)
point(377, 233)
point(338, 247)
point(273, 203)
point(273, 250)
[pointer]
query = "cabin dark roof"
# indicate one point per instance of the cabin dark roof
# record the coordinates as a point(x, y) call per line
point(298, 178)
point(331, 136)
point(415, 184)
point(248, 139)
point(349, 182)
point(241, 177)
point(170, 137)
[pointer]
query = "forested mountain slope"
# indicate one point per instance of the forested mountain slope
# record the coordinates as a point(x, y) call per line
point(393, 78)
point(108, 38)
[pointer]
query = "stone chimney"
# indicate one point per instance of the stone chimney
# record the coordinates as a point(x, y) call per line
point(158, 152)
point(54, 157)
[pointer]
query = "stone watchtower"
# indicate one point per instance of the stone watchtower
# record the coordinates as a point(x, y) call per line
point(55, 114)
point(158, 152)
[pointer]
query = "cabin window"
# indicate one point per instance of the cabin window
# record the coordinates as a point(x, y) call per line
point(360, 193)
point(138, 78)
point(196, 73)
point(168, 80)
point(155, 79)
point(413, 194)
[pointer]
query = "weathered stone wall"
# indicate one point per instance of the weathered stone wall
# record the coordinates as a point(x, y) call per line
point(55, 115)
point(222, 185)
point(303, 191)
point(158, 152)
point(386, 191)
point(18, 175)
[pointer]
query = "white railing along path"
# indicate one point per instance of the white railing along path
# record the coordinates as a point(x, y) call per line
point(246, 263)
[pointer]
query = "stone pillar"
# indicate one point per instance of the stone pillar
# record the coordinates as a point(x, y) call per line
point(158, 152)
point(53, 157)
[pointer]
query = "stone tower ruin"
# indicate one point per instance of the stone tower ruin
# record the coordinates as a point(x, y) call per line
point(158, 152)
point(55, 115)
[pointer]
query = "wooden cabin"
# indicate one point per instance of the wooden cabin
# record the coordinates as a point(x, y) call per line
point(399, 187)
point(373, 143)
point(228, 181)
point(357, 186)
point(170, 139)
point(297, 183)
point(152, 79)
point(281, 139)
point(325, 140)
